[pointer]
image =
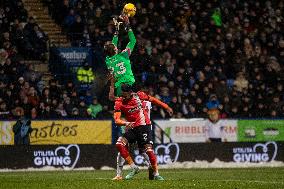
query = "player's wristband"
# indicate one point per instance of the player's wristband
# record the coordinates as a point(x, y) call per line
point(128, 27)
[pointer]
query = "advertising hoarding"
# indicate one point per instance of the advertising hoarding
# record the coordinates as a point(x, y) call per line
point(192, 130)
point(260, 130)
point(61, 132)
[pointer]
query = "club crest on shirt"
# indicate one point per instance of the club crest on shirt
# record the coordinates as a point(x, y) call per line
point(134, 109)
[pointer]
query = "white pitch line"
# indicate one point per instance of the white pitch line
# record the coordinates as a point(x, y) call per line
point(194, 180)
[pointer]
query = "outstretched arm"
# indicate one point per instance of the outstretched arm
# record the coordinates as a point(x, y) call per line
point(115, 36)
point(161, 104)
point(115, 39)
point(111, 95)
point(132, 39)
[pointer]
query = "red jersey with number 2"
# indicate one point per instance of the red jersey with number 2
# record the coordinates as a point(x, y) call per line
point(133, 108)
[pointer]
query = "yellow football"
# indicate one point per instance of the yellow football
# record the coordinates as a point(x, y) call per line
point(129, 9)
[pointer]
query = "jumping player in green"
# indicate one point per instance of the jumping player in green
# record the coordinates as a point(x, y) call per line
point(121, 73)
point(119, 63)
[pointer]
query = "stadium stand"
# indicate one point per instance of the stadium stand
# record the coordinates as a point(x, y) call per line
point(200, 54)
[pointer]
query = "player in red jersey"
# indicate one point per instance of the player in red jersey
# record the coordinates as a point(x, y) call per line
point(120, 160)
point(138, 124)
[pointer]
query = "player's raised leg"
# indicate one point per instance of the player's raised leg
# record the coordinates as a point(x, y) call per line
point(147, 163)
point(121, 145)
point(153, 161)
point(119, 166)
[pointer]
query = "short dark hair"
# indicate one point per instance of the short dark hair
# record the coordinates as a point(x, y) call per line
point(126, 88)
point(109, 49)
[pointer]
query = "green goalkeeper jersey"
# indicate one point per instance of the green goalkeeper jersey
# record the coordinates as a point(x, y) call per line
point(120, 63)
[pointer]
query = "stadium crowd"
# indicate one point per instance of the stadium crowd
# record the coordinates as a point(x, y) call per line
point(19, 32)
point(194, 55)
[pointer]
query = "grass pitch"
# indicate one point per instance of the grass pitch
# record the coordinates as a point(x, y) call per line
point(238, 178)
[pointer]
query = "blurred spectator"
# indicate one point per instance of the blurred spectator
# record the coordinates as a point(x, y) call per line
point(22, 128)
point(69, 87)
point(60, 110)
point(45, 96)
point(68, 106)
point(75, 113)
point(33, 98)
point(4, 111)
point(94, 108)
point(34, 113)
point(39, 39)
point(241, 83)
point(54, 89)
point(76, 30)
point(83, 109)
point(106, 113)
point(213, 102)
point(214, 131)
point(49, 113)
point(70, 18)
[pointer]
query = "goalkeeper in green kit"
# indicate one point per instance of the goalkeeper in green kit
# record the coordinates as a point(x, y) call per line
point(119, 63)
point(121, 73)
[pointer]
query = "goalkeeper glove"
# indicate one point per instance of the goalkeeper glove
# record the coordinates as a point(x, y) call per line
point(116, 25)
point(125, 19)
